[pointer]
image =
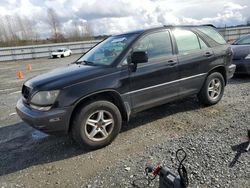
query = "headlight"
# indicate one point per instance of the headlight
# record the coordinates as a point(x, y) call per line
point(44, 98)
point(248, 56)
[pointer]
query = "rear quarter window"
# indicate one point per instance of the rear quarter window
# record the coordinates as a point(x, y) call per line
point(213, 34)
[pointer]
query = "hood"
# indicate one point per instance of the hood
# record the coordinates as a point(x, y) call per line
point(65, 76)
point(240, 51)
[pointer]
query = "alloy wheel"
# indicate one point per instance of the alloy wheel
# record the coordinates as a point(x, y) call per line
point(99, 125)
point(214, 89)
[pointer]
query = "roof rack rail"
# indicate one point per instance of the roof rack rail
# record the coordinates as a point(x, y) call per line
point(211, 25)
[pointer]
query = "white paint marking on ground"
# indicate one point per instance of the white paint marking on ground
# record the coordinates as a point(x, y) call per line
point(42, 69)
point(15, 92)
point(1, 90)
point(12, 114)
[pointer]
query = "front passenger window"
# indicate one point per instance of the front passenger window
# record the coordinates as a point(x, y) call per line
point(157, 45)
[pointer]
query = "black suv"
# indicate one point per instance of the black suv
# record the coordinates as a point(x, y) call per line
point(125, 74)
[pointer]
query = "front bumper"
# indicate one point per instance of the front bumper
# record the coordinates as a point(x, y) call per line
point(54, 120)
point(231, 71)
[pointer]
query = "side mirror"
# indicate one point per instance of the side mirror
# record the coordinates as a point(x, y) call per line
point(139, 57)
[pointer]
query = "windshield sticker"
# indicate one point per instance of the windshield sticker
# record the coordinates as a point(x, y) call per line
point(118, 40)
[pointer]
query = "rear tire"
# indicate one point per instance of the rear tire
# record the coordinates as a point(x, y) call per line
point(96, 124)
point(212, 90)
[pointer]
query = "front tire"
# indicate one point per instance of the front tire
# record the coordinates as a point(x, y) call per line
point(96, 124)
point(212, 90)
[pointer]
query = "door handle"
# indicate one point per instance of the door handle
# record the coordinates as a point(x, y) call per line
point(171, 63)
point(208, 54)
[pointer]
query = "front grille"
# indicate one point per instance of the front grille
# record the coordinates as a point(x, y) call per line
point(26, 92)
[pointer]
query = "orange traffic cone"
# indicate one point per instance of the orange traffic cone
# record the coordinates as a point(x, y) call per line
point(20, 75)
point(29, 67)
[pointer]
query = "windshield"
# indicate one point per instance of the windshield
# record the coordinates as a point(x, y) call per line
point(243, 40)
point(60, 50)
point(107, 51)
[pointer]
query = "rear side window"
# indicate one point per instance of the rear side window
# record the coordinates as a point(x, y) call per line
point(213, 34)
point(157, 45)
point(187, 41)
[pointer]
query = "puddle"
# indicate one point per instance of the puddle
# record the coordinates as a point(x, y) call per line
point(38, 135)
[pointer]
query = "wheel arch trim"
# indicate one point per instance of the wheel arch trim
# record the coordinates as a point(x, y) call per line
point(224, 73)
point(123, 106)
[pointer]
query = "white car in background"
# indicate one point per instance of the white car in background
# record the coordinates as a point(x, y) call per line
point(62, 52)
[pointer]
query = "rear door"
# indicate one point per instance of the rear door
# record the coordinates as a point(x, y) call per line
point(154, 82)
point(192, 53)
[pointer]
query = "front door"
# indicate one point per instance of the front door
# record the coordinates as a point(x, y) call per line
point(154, 82)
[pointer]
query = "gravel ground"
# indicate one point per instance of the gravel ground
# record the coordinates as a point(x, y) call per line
point(213, 137)
point(214, 145)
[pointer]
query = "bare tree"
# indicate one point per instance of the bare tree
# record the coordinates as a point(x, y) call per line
point(76, 32)
point(54, 24)
point(11, 30)
point(30, 30)
point(73, 32)
point(16, 30)
point(20, 30)
point(26, 28)
point(1, 32)
point(248, 22)
point(23, 30)
point(86, 30)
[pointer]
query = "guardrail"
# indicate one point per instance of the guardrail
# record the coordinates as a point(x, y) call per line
point(233, 33)
point(39, 51)
point(44, 50)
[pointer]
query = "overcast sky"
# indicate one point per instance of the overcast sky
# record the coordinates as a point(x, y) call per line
point(115, 16)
